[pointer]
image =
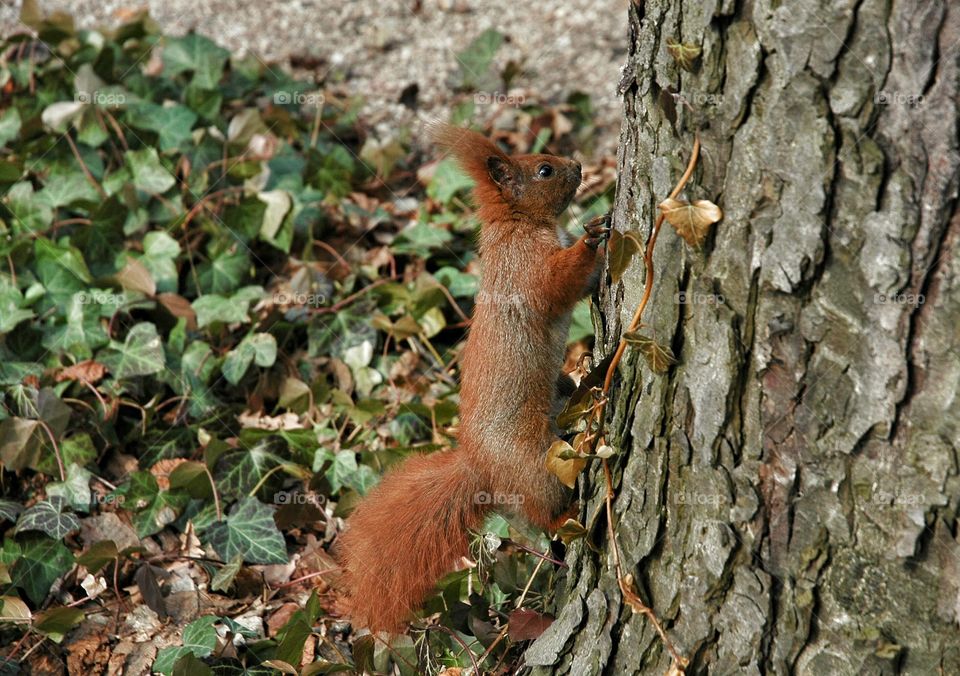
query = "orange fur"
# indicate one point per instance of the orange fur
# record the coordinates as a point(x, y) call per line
point(414, 526)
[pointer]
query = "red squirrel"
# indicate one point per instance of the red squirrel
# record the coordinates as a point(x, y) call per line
point(414, 526)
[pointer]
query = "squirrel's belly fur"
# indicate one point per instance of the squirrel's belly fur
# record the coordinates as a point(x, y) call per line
point(414, 526)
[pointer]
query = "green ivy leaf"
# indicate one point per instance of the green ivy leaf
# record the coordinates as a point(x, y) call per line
point(57, 622)
point(13, 306)
point(171, 123)
point(48, 517)
point(249, 531)
point(448, 180)
point(9, 510)
point(225, 272)
point(238, 472)
point(225, 576)
point(475, 61)
point(259, 348)
point(75, 491)
point(41, 561)
point(213, 308)
point(9, 125)
point(198, 54)
point(199, 640)
point(148, 174)
point(140, 354)
point(99, 555)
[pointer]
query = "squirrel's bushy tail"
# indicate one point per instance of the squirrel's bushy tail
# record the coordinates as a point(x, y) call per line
point(408, 532)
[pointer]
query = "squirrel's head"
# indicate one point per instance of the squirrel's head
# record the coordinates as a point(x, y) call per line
point(538, 187)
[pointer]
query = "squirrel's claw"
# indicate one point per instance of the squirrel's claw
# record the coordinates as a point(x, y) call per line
point(598, 230)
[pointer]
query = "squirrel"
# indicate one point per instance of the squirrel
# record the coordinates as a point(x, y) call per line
point(414, 526)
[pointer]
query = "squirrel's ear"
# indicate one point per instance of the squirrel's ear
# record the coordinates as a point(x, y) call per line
point(502, 172)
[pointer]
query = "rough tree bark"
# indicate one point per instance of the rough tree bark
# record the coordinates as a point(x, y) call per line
point(787, 495)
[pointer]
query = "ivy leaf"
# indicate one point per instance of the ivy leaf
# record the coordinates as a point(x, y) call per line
point(140, 354)
point(238, 472)
point(249, 531)
point(259, 348)
point(154, 508)
point(75, 491)
point(13, 308)
point(9, 510)
point(40, 563)
point(345, 471)
point(448, 180)
point(685, 54)
point(56, 622)
point(31, 214)
point(622, 247)
point(564, 463)
point(171, 123)
point(571, 530)
point(526, 625)
point(9, 125)
point(195, 53)
point(160, 252)
point(199, 640)
point(475, 61)
point(100, 554)
point(225, 576)
point(278, 206)
point(659, 357)
point(60, 114)
point(213, 308)
point(48, 517)
point(691, 221)
point(225, 272)
point(148, 174)
point(82, 333)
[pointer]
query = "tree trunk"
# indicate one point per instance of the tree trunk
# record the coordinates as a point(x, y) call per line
point(787, 495)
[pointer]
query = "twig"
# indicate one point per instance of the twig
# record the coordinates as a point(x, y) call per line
point(83, 165)
point(336, 307)
point(56, 448)
point(333, 252)
point(213, 487)
point(453, 634)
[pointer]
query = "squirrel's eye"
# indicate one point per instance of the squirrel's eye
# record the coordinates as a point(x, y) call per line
point(545, 171)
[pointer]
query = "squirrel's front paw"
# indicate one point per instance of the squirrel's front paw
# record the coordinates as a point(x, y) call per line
point(598, 230)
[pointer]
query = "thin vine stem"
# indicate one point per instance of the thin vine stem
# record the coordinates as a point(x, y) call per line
point(625, 582)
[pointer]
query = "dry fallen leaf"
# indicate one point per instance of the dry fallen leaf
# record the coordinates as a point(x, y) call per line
point(560, 463)
point(161, 471)
point(88, 371)
point(691, 221)
point(526, 625)
point(261, 421)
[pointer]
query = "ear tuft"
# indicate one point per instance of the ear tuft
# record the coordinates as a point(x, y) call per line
point(489, 167)
point(500, 171)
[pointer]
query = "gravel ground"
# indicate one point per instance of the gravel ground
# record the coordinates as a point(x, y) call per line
point(378, 48)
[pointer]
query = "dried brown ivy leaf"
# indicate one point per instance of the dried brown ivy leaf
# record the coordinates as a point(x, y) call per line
point(571, 530)
point(526, 625)
point(684, 53)
point(563, 462)
point(575, 409)
point(691, 221)
point(659, 357)
point(622, 246)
